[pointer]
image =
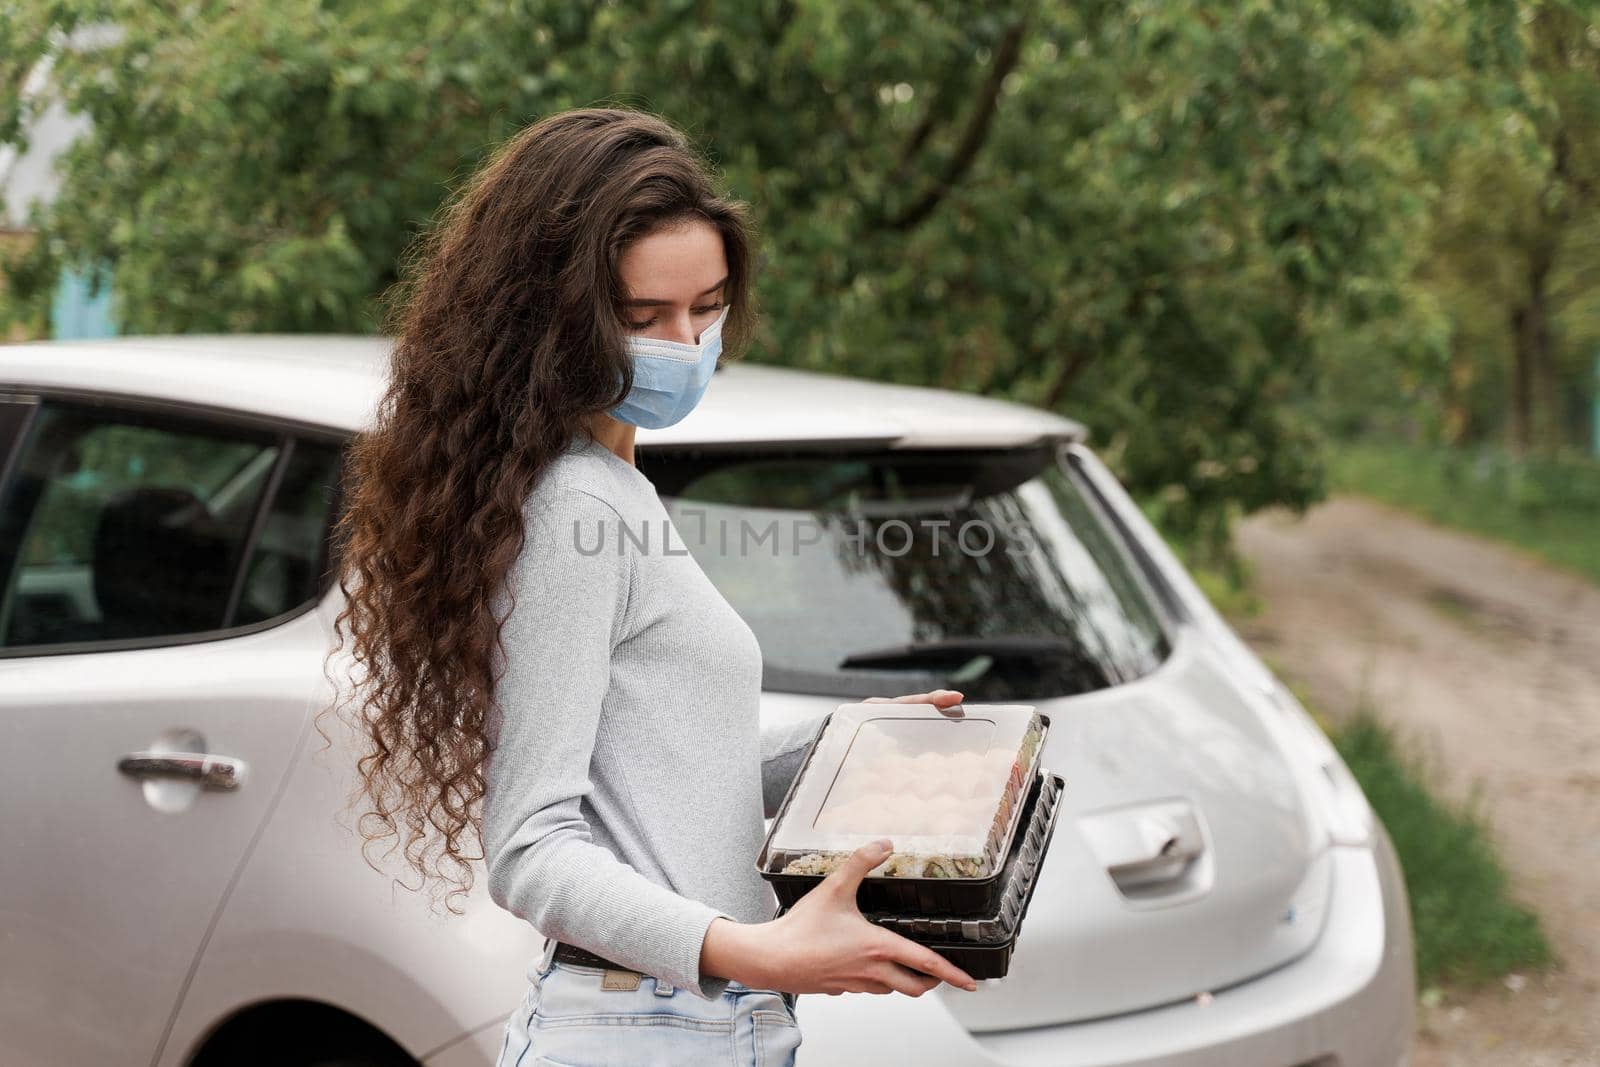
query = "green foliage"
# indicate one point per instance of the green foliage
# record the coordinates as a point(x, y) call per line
point(1549, 506)
point(1212, 559)
point(1494, 111)
point(260, 167)
point(1467, 927)
point(1146, 215)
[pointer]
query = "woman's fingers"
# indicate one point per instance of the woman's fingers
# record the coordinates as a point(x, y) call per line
point(942, 698)
point(893, 978)
point(904, 980)
point(924, 959)
point(846, 878)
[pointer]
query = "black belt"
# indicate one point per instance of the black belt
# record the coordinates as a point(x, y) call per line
point(566, 953)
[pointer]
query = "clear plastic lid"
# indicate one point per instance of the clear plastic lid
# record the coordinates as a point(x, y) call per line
point(1019, 869)
point(944, 785)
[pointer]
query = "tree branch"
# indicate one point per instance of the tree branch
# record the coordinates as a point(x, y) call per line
point(1070, 370)
point(1006, 54)
point(1079, 360)
point(938, 105)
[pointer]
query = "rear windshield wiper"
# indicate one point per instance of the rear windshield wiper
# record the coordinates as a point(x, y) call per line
point(1007, 665)
point(956, 651)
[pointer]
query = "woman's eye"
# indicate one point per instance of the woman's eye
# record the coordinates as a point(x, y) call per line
point(695, 311)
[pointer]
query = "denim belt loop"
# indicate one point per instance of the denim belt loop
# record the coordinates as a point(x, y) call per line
point(547, 954)
point(663, 988)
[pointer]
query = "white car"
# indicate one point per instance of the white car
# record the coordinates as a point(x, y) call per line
point(178, 887)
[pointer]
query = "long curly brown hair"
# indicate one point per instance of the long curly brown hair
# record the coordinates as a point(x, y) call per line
point(508, 325)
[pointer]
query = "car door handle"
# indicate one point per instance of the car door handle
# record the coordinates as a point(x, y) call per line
point(1169, 845)
point(1145, 845)
point(202, 768)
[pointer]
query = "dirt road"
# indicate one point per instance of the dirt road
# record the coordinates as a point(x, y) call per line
point(1490, 662)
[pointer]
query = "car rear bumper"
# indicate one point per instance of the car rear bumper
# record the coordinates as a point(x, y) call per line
point(1349, 1002)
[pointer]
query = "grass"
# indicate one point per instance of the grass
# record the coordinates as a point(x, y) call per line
point(1549, 507)
point(1468, 928)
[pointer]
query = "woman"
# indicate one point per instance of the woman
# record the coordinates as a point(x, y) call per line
point(534, 643)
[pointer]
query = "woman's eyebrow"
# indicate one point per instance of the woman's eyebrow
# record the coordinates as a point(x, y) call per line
point(650, 301)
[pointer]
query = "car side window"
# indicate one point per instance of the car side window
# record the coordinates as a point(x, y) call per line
point(289, 560)
point(15, 413)
point(136, 528)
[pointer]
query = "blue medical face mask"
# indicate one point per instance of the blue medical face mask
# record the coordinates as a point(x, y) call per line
point(669, 377)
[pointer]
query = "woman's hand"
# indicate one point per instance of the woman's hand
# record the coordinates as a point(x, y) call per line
point(823, 944)
point(941, 698)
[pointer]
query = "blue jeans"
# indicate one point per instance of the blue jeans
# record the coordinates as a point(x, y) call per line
point(566, 1019)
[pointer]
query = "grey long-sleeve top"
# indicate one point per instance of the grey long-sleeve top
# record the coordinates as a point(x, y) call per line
point(628, 774)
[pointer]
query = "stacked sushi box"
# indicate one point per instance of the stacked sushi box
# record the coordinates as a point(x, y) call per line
point(961, 794)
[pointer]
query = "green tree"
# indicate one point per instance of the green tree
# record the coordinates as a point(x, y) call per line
point(1159, 218)
point(1501, 106)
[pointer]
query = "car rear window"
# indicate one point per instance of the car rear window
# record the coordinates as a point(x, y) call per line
point(874, 574)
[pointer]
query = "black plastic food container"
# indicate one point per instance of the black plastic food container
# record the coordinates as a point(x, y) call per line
point(904, 895)
point(983, 946)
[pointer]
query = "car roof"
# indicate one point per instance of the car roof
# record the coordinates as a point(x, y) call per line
point(334, 381)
